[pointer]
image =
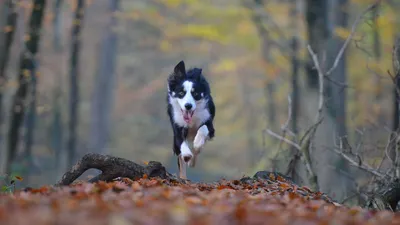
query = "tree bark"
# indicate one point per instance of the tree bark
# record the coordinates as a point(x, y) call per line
point(74, 79)
point(27, 63)
point(105, 80)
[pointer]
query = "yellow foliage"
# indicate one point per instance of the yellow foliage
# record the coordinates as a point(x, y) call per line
point(165, 45)
point(225, 65)
point(172, 3)
point(345, 33)
point(207, 32)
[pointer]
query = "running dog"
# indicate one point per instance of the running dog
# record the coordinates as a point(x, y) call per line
point(191, 111)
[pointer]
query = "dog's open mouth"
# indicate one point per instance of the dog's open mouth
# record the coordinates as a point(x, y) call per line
point(187, 115)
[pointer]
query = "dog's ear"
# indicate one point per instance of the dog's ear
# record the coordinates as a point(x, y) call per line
point(180, 69)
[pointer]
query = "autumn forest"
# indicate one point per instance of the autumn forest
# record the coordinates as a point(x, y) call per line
point(307, 98)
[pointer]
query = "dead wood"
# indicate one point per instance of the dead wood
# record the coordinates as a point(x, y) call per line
point(113, 167)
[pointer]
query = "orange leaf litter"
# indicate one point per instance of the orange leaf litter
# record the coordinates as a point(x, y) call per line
point(157, 201)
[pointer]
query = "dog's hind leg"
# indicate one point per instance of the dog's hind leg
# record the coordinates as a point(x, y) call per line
point(192, 162)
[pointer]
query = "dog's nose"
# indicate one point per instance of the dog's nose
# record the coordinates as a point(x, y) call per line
point(188, 106)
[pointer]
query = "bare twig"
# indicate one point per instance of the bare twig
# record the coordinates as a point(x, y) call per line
point(360, 164)
point(321, 82)
point(279, 137)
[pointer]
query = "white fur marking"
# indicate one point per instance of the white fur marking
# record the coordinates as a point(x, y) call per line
point(188, 98)
point(200, 139)
point(185, 150)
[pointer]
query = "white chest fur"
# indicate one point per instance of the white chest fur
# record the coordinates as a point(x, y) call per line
point(201, 114)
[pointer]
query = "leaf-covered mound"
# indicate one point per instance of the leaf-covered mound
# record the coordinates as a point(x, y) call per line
point(158, 201)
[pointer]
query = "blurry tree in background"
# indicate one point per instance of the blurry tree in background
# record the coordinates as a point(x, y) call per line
point(254, 54)
point(74, 80)
point(105, 79)
point(8, 21)
point(27, 69)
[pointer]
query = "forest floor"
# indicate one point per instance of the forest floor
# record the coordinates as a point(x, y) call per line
point(158, 201)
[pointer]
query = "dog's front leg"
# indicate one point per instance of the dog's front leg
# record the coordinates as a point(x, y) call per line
point(200, 139)
point(198, 143)
point(185, 157)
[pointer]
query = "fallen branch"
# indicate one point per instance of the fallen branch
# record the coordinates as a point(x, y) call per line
point(113, 167)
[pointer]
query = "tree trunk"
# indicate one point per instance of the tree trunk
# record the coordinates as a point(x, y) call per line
point(377, 55)
point(105, 80)
point(31, 117)
point(9, 30)
point(320, 25)
point(74, 78)
point(316, 19)
point(57, 25)
point(269, 89)
point(56, 130)
point(295, 95)
point(9, 16)
point(338, 94)
point(27, 62)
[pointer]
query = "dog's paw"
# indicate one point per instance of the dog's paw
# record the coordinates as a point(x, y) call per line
point(187, 157)
point(200, 138)
point(186, 154)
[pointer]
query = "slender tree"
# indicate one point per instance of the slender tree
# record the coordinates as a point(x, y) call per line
point(26, 66)
point(339, 75)
point(56, 129)
point(9, 12)
point(9, 31)
point(295, 95)
point(105, 79)
point(377, 55)
point(57, 24)
point(396, 89)
point(31, 118)
point(74, 78)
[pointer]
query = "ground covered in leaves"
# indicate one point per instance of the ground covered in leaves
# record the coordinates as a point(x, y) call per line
point(157, 201)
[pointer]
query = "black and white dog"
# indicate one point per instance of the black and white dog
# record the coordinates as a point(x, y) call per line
point(191, 111)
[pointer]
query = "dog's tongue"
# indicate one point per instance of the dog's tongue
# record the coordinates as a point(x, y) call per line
point(187, 116)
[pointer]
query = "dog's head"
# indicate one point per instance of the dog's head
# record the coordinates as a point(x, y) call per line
point(189, 89)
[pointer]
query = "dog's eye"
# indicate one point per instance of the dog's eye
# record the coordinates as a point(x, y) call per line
point(181, 93)
point(194, 94)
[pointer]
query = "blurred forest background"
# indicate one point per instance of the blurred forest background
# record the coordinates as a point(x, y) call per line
point(83, 76)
